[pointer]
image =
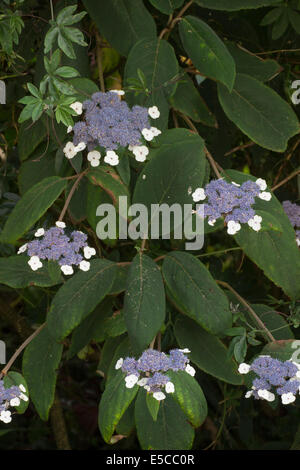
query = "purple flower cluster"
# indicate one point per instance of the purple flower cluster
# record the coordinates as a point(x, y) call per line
point(11, 396)
point(54, 244)
point(293, 212)
point(147, 371)
point(233, 202)
point(110, 123)
point(281, 377)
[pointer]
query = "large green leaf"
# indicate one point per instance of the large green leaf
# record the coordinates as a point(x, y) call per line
point(40, 362)
point(189, 396)
point(91, 328)
point(79, 296)
point(121, 22)
point(252, 64)
point(144, 303)
point(114, 402)
point(187, 99)
point(206, 50)
point(84, 88)
point(194, 292)
point(16, 272)
point(207, 351)
point(182, 151)
point(170, 431)
point(284, 350)
point(30, 136)
point(33, 171)
point(251, 107)
point(31, 207)
point(166, 6)
point(233, 5)
point(157, 61)
point(275, 252)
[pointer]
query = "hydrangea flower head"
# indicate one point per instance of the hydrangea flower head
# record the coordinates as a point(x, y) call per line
point(110, 123)
point(54, 244)
point(233, 202)
point(11, 396)
point(149, 370)
point(273, 377)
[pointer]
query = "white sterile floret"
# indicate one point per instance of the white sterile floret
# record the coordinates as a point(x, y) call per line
point(5, 416)
point(244, 368)
point(147, 134)
point(15, 401)
point(212, 222)
point(233, 227)
point(84, 265)
point(159, 396)
point(287, 398)
point(77, 106)
point(155, 131)
point(249, 394)
point(70, 128)
point(255, 223)
point(266, 395)
point(39, 233)
point(94, 158)
point(143, 382)
point(131, 380)
point(140, 152)
point(24, 397)
point(60, 224)
point(69, 150)
point(22, 249)
point(66, 269)
point(270, 397)
point(35, 263)
point(81, 146)
point(235, 184)
point(184, 351)
point(119, 363)
point(261, 183)
point(22, 388)
point(265, 196)
point(190, 370)
point(169, 388)
point(154, 112)
point(198, 195)
point(146, 387)
point(119, 92)
point(298, 241)
point(89, 252)
point(111, 158)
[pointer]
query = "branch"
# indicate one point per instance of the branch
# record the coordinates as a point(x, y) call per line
point(250, 310)
point(295, 173)
point(70, 195)
point(172, 23)
point(20, 349)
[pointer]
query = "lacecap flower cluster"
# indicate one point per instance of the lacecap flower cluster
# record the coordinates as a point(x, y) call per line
point(110, 123)
point(274, 377)
point(149, 370)
point(293, 212)
point(233, 202)
point(11, 396)
point(54, 244)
